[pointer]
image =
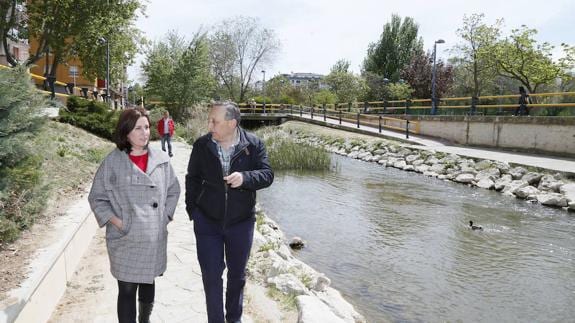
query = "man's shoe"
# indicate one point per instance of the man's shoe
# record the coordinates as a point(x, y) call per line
point(171, 155)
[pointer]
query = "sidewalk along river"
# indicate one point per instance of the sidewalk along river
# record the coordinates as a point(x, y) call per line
point(398, 245)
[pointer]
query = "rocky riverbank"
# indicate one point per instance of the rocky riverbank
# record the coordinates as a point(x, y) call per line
point(292, 282)
point(536, 186)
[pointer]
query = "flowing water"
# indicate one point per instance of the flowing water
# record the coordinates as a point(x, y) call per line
point(398, 247)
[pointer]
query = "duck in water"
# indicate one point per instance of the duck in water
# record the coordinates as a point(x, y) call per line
point(474, 227)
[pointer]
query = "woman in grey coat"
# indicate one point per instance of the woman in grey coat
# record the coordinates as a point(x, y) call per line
point(134, 194)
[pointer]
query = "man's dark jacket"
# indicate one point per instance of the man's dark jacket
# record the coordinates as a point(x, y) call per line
point(206, 189)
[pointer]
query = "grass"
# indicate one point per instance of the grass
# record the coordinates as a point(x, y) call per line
point(286, 154)
point(287, 301)
point(69, 158)
point(268, 246)
point(260, 219)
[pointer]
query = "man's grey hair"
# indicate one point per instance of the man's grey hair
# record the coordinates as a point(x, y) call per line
point(232, 110)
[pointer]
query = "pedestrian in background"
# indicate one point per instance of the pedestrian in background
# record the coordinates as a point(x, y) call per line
point(134, 194)
point(166, 130)
point(227, 166)
point(524, 101)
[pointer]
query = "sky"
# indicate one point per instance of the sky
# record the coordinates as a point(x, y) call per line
point(314, 34)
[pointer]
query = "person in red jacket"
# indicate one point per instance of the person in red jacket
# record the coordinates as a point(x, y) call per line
point(166, 131)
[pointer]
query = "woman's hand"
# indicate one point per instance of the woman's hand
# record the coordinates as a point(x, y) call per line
point(117, 222)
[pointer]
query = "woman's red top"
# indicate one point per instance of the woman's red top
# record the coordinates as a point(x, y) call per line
point(140, 161)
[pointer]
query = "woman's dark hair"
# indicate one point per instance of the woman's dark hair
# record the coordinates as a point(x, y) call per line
point(127, 123)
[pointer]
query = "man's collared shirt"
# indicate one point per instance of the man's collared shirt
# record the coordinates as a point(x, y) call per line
point(225, 155)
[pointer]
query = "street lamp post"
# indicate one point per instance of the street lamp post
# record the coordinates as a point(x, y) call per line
point(433, 76)
point(264, 90)
point(105, 40)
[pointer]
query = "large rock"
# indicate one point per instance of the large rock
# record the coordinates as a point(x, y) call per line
point(502, 182)
point(279, 267)
point(364, 155)
point(513, 186)
point(465, 178)
point(527, 192)
point(422, 168)
point(409, 168)
point(400, 164)
point(569, 191)
point(431, 160)
point(532, 178)
point(450, 159)
point(404, 152)
point(503, 167)
point(418, 162)
point(467, 167)
point(380, 151)
point(411, 158)
point(517, 172)
point(488, 173)
point(549, 183)
point(338, 305)
point(288, 284)
point(483, 165)
point(552, 199)
point(321, 283)
point(313, 310)
point(485, 183)
point(353, 154)
point(437, 168)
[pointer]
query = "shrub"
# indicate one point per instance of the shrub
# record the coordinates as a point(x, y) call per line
point(92, 116)
point(21, 196)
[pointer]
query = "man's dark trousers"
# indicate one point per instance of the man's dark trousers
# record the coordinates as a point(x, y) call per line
point(212, 242)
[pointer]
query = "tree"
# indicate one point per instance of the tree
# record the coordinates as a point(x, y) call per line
point(376, 86)
point(399, 91)
point(419, 75)
point(474, 52)
point(325, 97)
point(344, 84)
point(238, 46)
point(520, 57)
point(178, 72)
point(397, 44)
point(12, 26)
point(277, 88)
point(73, 29)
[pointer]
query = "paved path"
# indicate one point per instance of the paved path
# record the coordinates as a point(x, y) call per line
point(547, 162)
point(91, 295)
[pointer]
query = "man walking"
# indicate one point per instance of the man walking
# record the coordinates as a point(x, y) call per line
point(166, 130)
point(226, 168)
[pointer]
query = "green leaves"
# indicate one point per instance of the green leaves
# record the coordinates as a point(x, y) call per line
point(398, 42)
point(345, 85)
point(520, 57)
point(178, 72)
point(75, 29)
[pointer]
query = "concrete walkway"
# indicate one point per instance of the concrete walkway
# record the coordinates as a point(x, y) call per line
point(551, 163)
point(92, 292)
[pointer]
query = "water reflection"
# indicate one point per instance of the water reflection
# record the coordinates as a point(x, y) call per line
point(397, 245)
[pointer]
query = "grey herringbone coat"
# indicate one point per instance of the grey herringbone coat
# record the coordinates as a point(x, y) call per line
point(146, 203)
